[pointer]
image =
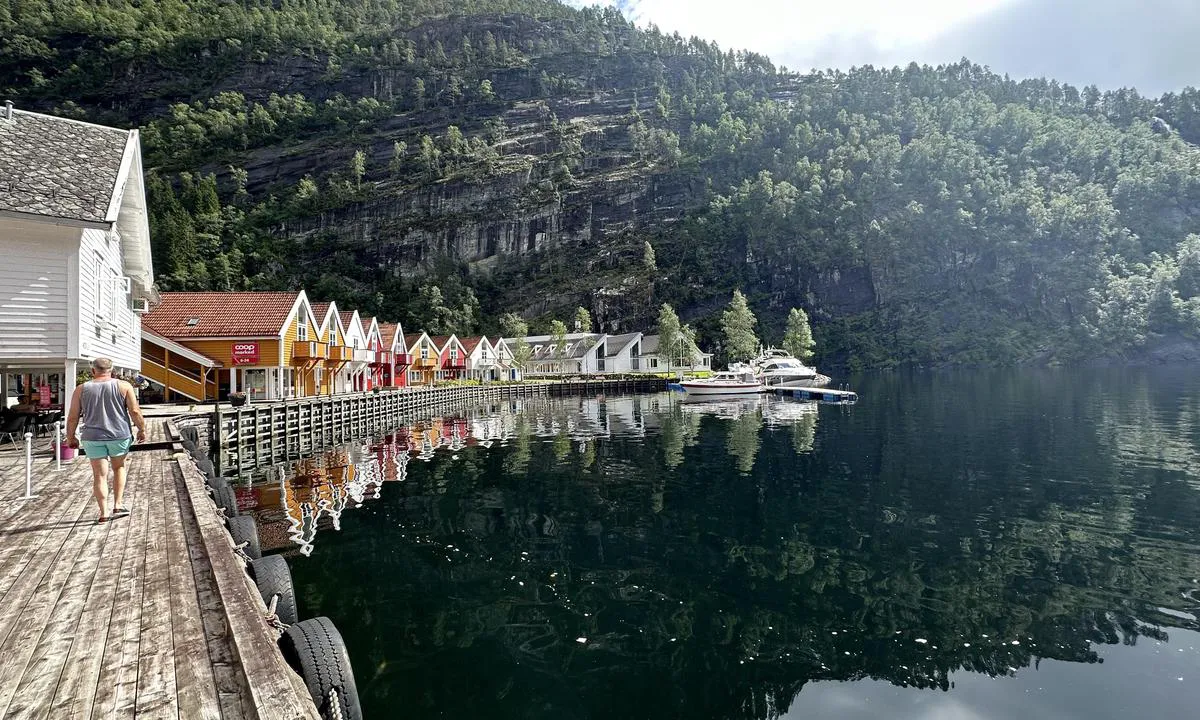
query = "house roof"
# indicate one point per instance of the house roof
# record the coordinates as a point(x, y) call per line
point(440, 341)
point(387, 332)
point(220, 314)
point(617, 343)
point(469, 344)
point(60, 168)
point(182, 350)
point(649, 344)
point(578, 345)
point(411, 339)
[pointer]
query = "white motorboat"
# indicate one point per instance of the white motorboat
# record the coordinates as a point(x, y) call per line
point(735, 382)
point(779, 368)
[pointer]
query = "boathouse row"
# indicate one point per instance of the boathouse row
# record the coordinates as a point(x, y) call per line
point(272, 346)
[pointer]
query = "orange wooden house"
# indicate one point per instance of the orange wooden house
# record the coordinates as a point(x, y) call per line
point(203, 346)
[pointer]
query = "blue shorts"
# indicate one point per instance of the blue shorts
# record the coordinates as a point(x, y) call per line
point(97, 449)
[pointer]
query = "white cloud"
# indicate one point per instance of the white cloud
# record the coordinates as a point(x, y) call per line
point(803, 34)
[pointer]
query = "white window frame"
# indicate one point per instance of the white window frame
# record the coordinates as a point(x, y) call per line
point(98, 304)
point(424, 352)
point(302, 332)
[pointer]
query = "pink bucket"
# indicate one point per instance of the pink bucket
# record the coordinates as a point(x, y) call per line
point(66, 452)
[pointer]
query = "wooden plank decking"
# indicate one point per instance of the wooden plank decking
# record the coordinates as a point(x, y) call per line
point(147, 616)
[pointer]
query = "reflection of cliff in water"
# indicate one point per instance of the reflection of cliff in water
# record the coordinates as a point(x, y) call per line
point(687, 566)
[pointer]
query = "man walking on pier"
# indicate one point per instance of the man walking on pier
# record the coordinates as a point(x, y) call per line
point(105, 405)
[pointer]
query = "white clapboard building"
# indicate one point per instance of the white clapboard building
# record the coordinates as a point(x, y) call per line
point(75, 245)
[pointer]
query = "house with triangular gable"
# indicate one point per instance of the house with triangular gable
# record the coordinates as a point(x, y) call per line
point(264, 344)
point(426, 360)
point(77, 271)
point(452, 357)
point(395, 373)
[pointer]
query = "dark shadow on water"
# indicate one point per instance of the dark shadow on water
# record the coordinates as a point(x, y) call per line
point(640, 558)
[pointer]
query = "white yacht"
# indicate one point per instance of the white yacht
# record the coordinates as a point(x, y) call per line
point(779, 368)
point(731, 382)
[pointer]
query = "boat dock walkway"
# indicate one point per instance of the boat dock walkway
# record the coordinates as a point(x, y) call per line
point(816, 393)
point(146, 616)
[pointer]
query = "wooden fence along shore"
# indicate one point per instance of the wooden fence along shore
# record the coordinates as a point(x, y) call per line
point(256, 436)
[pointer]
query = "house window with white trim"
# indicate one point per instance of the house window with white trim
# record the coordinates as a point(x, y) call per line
point(98, 295)
point(424, 352)
point(302, 332)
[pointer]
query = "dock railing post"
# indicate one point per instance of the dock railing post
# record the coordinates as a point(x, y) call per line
point(58, 445)
point(28, 468)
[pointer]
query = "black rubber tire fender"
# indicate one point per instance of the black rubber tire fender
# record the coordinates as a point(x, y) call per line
point(205, 466)
point(271, 575)
point(223, 496)
point(243, 529)
point(314, 648)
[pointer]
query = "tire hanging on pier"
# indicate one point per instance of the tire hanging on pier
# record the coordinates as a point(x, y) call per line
point(272, 576)
point(314, 648)
point(243, 529)
point(190, 437)
point(223, 496)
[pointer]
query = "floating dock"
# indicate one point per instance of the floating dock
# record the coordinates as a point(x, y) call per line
point(816, 393)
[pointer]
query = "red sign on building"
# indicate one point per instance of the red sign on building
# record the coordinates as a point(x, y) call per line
point(245, 353)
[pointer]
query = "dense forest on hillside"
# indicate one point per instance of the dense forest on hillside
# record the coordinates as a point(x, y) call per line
point(441, 162)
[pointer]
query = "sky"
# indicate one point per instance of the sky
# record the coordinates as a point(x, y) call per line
point(1147, 44)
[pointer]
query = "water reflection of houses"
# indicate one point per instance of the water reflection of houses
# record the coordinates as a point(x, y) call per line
point(293, 502)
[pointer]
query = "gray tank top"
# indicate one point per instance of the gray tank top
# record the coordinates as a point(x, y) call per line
point(103, 413)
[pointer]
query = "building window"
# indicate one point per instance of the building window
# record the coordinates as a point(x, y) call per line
point(98, 295)
point(653, 362)
point(424, 352)
point(302, 331)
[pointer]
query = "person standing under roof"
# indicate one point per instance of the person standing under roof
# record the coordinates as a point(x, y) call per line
point(105, 405)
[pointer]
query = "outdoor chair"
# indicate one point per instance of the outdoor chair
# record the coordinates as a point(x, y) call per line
point(46, 421)
point(14, 426)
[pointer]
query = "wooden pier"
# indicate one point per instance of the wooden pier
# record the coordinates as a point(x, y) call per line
point(148, 616)
point(263, 434)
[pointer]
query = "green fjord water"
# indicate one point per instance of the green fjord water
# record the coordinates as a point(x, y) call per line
point(966, 544)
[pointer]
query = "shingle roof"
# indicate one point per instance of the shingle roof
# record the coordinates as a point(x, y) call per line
point(411, 338)
point(57, 167)
point(649, 344)
point(220, 314)
point(469, 344)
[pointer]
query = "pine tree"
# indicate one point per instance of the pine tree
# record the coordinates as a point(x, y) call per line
point(514, 326)
point(648, 259)
point(737, 323)
point(358, 167)
point(396, 166)
point(798, 339)
point(558, 340)
point(583, 320)
point(668, 334)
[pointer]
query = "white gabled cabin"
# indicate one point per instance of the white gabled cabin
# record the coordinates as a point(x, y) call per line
point(75, 239)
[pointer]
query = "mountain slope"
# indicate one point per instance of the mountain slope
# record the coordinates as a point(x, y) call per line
point(444, 162)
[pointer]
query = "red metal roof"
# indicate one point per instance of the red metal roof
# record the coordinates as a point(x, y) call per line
point(220, 314)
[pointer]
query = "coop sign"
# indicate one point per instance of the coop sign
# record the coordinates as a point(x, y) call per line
point(245, 353)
